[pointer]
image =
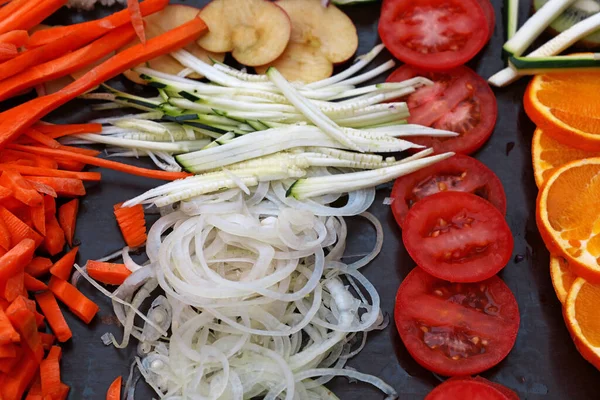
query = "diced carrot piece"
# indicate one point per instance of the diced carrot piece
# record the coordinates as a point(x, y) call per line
point(67, 218)
point(132, 223)
point(114, 391)
point(38, 267)
point(4, 236)
point(63, 267)
point(79, 305)
point(38, 217)
point(24, 323)
point(19, 378)
point(47, 339)
point(108, 273)
point(23, 303)
point(18, 229)
point(54, 242)
point(34, 285)
point(13, 287)
point(16, 259)
point(64, 187)
point(8, 351)
point(22, 190)
point(50, 376)
point(54, 316)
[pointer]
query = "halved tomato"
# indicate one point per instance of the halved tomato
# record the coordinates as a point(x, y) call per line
point(459, 173)
point(433, 34)
point(457, 236)
point(476, 388)
point(459, 100)
point(456, 329)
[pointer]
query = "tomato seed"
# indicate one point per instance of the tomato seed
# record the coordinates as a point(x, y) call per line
point(475, 339)
point(442, 186)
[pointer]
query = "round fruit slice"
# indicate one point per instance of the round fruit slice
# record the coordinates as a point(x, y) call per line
point(256, 32)
point(321, 37)
point(456, 329)
point(459, 173)
point(577, 12)
point(459, 101)
point(469, 388)
point(581, 316)
point(562, 277)
point(571, 118)
point(548, 154)
point(433, 34)
point(457, 236)
point(568, 216)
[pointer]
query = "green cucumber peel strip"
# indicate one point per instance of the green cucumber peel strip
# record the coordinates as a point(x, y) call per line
point(523, 64)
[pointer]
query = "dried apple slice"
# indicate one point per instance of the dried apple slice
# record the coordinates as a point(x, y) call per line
point(321, 38)
point(256, 32)
point(169, 18)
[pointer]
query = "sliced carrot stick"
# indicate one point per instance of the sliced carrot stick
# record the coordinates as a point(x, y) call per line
point(107, 273)
point(18, 379)
point(28, 163)
point(47, 339)
point(28, 17)
point(54, 241)
point(4, 236)
point(24, 322)
point(39, 137)
point(63, 267)
point(8, 351)
point(54, 316)
point(16, 259)
point(8, 51)
point(137, 20)
point(22, 190)
point(38, 217)
point(67, 218)
point(40, 161)
point(81, 150)
point(8, 334)
point(112, 21)
point(50, 376)
point(5, 193)
point(14, 121)
point(14, 6)
point(70, 165)
point(114, 391)
point(57, 131)
point(132, 223)
point(79, 305)
point(63, 392)
point(66, 64)
point(18, 229)
point(37, 171)
point(100, 162)
point(39, 267)
point(4, 304)
point(8, 365)
point(49, 205)
point(64, 187)
point(13, 287)
point(34, 285)
point(18, 38)
point(36, 386)
point(42, 188)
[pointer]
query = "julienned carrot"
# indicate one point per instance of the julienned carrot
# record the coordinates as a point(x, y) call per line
point(67, 218)
point(80, 150)
point(63, 392)
point(11, 20)
point(19, 230)
point(114, 391)
point(38, 136)
point(49, 206)
point(38, 267)
point(108, 273)
point(14, 121)
point(57, 131)
point(18, 379)
point(79, 305)
point(37, 171)
point(8, 51)
point(112, 21)
point(64, 187)
point(4, 236)
point(13, 7)
point(5, 192)
point(47, 339)
point(50, 376)
point(16, 259)
point(54, 316)
point(132, 223)
point(63, 267)
point(40, 161)
point(13, 287)
point(21, 189)
point(66, 64)
point(100, 162)
point(27, 18)
point(44, 189)
point(34, 285)
point(38, 217)
point(8, 334)
point(137, 20)
point(70, 165)
point(54, 242)
point(18, 38)
point(24, 322)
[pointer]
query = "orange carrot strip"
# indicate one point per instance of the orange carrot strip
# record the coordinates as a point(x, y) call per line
point(18, 379)
point(8, 334)
point(28, 17)
point(63, 267)
point(13, 287)
point(14, 121)
point(81, 150)
point(36, 387)
point(54, 316)
point(108, 273)
point(50, 376)
point(18, 38)
point(64, 187)
point(47, 339)
point(34, 285)
point(22, 190)
point(12, 155)
point(38, 217)
point(4, 236)
point(55, 173)
point(18, 229)
point(114, 391)
point(16, 259)
point(49, 205)
point(39, 137)
point(79, 305)
point(58, 131)
point(137, 20)
point(16, 5)
point(66, 64)
point(67, 218)
point(24, 322)
point(100, 162)
point(5, 193)
point(63, 392)
point(115, 20)
point(8, 51)
point(54, 241)
point(8, 351)
point(132, 223)
point(22, 302)
point(4, 304)
point(38, 267)
point(42, 188)
point(8, 365)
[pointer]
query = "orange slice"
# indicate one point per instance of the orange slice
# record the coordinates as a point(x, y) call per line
point(567, 106)
point(581, 317)
point(548, 154)
point(568, 216)
point(562, 277)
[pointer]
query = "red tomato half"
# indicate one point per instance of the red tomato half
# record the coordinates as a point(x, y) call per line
point(433, 34)
point(457, 236)
point(471, 389)
point(459, 173)
point(456, 329)
point(459, 101)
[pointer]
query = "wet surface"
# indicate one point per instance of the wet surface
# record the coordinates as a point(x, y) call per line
point(544, 363)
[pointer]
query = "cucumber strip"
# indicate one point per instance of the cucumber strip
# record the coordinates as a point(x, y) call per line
point(535, 25)
point(512, 18)
point(551, 48)
point(530, 65)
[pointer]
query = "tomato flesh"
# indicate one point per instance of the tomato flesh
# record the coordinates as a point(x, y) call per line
point(459, 173)
point(472, 389)
point(457, 236)
point(456, 329)
point(459, 101)
point(433, 34)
